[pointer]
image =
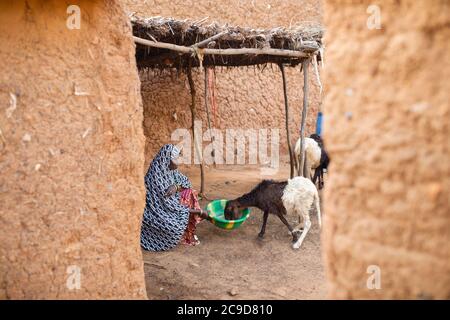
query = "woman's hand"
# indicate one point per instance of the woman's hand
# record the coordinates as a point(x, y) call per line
point(205, 215)
point(171, 190)
point(202, 213)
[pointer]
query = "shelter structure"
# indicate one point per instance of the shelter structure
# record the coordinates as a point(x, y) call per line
point(163, 43)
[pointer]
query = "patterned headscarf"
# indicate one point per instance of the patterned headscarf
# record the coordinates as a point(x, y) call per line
point(165, 219)
point(175, 153)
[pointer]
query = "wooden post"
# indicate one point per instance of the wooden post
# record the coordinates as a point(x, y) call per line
point(208, 118)
point(302, 170)
point(286, 108)
point(196, 146)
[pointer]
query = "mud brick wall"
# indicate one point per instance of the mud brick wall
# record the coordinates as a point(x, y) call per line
point(71, 153)
point(387, 130)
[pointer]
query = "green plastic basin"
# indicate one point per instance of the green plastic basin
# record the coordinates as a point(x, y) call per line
point(216, 213)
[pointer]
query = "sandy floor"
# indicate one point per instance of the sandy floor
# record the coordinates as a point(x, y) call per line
point(234, 264)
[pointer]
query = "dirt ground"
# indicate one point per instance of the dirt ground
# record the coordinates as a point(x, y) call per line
point(235, 264)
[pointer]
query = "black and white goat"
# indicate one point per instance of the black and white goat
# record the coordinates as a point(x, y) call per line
point(294, 197)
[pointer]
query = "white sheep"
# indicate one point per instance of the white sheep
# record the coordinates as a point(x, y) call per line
point(313, 153)
point(299, 196)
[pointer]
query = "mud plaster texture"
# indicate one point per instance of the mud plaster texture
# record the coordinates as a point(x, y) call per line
point(71, 153)
point(387, 106)
point(247, 98)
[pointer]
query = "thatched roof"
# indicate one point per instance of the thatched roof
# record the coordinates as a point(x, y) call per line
point(174, 44)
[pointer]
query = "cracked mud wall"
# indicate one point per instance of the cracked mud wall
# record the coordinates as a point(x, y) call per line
point(387, 130)
point(71, 153)
point(246, 98)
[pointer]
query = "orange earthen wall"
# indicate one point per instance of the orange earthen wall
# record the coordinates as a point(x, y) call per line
point(71, 153)
point(246, 97)
point(387, 130)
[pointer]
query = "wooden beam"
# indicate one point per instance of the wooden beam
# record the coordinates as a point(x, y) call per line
point(286, 108)
point(302, 162)
point(230, 52)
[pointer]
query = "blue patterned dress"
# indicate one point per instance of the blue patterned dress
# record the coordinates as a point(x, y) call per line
point(165, 219)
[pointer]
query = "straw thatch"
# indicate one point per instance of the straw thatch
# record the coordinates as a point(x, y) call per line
point(171, 43)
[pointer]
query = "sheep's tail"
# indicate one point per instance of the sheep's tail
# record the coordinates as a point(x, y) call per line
point(317, 204)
